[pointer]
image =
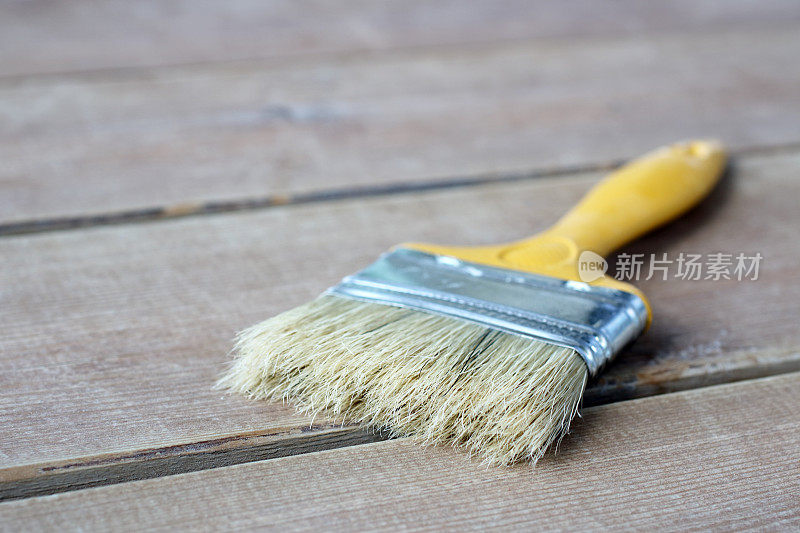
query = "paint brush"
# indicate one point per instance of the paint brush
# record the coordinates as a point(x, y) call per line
point(484, 348)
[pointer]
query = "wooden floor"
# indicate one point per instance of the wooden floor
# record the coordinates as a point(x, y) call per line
point(171, 172)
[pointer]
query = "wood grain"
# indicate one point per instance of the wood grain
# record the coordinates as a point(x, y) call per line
point(176, 140)
point(721, 458)
point(37, 36)
point(112, 337)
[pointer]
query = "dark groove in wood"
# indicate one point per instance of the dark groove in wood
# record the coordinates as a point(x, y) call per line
point(604, 392)
point(250, 204)
point(324, 56)
point(135, 71)
point(179, 459)
point(325, 195)
point(237, 449)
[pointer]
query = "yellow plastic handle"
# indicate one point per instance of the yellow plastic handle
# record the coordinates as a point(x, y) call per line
point(633, 200)
point(642, 195)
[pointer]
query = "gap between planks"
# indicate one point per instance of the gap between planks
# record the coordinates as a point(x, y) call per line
point(63, 476)
point(155, 213)
point(32, 481)
point(129, 38)
point(76, 146)
point(723, 457)
point(323, 195)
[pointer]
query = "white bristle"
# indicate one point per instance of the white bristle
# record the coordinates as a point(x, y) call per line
point(437, 379)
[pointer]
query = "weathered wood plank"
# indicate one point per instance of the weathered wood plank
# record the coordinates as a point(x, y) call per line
point(39, 36)
point(112, 337)
point(179, 138)
point(723, 457)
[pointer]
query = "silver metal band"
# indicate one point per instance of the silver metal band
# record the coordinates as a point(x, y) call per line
point(597, 322)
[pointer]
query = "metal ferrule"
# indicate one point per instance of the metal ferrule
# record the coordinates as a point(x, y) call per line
point(596, 322)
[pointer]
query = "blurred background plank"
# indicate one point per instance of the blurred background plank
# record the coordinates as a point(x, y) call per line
point(165, 141)
point(113, 337)
point(42, 36)
point(722, 456)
